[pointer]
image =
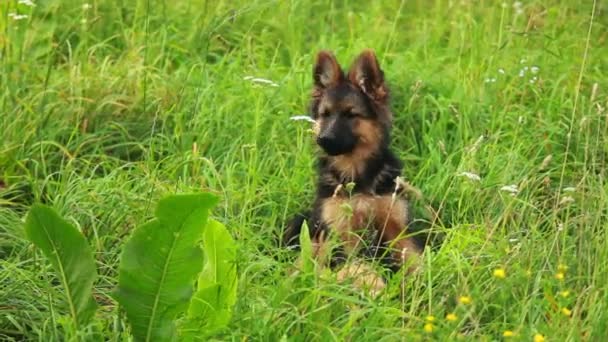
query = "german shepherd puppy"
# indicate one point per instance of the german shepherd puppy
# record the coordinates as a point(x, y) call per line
point(352, 127)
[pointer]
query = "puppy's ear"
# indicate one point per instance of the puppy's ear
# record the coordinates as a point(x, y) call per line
point(367, 75)
point(327, 72)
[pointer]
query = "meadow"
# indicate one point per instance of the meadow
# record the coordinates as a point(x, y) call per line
point(500, 115)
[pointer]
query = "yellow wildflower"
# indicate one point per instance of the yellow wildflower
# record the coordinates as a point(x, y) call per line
point(429, 327)
point(566, 312)
point(564, 294)
point(500, 273)
point(464, 300)
point(539, 338)
point(508, 333)
point(451, 317)
point(560, 276)
point(430, 318)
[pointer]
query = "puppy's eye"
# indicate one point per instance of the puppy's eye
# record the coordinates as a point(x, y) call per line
point(349, 114)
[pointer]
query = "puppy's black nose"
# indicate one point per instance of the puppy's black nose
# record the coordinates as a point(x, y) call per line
point(329, 144)
point(325, 140)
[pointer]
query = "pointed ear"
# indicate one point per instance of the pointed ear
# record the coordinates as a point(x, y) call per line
point(367, 75)
point(327, 72)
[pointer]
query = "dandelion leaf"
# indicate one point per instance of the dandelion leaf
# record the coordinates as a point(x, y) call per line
point(211, 306)
point(69, 254)
point(159, 265)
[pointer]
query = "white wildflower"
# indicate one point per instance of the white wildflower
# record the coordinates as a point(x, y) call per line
point(260, 80)
point(16, 16)
point(26, 3)
point(86, 6)
point(566, 200)
point(501, 71)
point(518, 7)
point(534, 69)
point(302, 118)
point(522, 73)
point(470, 175)
point(522, 61)
point(512, 189)
point(569, 189)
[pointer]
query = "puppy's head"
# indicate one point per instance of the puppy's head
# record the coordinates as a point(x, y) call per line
point(351, 111)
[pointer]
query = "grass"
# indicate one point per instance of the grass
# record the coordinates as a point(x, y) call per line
point(106, 108)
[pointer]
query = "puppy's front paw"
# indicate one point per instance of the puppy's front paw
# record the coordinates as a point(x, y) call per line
point(363, 277)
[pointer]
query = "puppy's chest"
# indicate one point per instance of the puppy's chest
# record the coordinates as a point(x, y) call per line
point(362, 211)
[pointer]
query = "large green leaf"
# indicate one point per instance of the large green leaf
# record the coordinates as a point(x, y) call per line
point(69, 254)
point(211, 306)
point(159, 265)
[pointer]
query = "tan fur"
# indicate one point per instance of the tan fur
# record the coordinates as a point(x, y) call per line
point(386, 215)
point(316, 128)
point(352, 164)
point(363, 276)
point(365, 73)
point(327, 72)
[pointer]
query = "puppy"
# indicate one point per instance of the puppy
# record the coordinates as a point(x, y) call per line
point(358, 196)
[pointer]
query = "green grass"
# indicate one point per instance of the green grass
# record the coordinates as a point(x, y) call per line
point(104, 110)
